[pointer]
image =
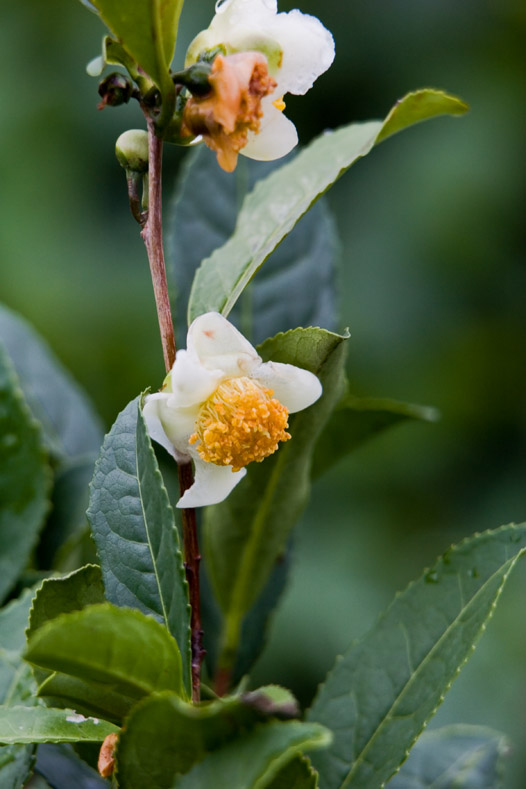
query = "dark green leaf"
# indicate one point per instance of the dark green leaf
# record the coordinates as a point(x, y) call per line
point(16, 764)
point(297, 774)
point(270, 212)
point(24, 479)
point(60, 765)
point(134, 527)
point(245, 535)
point(13, 622)
point(64, 544)
point(68, 420)
point(255, 759)
point(381, 693)
point(21, 725)
point(124, 648)
point(165, 736)
point(16, 687)
point(203, 217)
point(454, 757)
point(147, 29)
point(358, 419)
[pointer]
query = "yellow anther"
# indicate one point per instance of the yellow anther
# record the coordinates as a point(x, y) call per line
point(279, 104)
point(241, 422)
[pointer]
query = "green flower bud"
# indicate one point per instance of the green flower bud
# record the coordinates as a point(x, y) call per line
point(131, 150)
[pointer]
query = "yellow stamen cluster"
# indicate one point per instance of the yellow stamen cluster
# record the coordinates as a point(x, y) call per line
point(241, 422)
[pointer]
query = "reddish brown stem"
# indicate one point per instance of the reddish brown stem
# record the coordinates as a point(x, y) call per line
point(192, 561)
point(152, 234)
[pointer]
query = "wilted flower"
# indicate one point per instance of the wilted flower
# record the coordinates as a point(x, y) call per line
point(232, 109)
point(223, 408)
point(297, 47)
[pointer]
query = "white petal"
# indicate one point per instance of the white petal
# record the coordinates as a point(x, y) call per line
point(189, 382)
point(153, 423)
point(276, 137)
point(294, 387)
point(212, 484)
point(219, 345)
point(308, 50)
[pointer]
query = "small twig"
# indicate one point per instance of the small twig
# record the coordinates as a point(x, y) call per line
point(152, 234)
point(192, 562)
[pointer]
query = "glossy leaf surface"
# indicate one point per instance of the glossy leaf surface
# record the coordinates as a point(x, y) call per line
point(381, 693)
point(270, 212)
point(134, 528)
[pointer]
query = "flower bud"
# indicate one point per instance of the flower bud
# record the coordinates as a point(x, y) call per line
point(114, 89)
point(131, 150)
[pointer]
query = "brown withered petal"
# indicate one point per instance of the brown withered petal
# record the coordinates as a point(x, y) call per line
point(106, 763)
point(232, 108)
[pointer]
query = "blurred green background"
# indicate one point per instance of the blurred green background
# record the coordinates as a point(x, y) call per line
point(432, 287)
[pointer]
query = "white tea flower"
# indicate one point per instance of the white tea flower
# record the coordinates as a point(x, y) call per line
point(223, 408)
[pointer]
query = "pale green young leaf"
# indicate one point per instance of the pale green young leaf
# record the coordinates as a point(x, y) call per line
point(88, 697)
point(62, 596)
point(72, 592)
point(164, 736)
point(118, 646)
point(26, 725)
point(380, 694)
point(297, 774)
point(147, 29)
point(203, 216)
point(25, 478)
point(134, 528)
point(455, 757)
point(356, 420)
point(245, 535)
point(272, 209)
point(69, 422)
point(253, 760)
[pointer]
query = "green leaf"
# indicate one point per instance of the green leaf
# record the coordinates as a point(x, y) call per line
point(62, 596)
point(16, 765)
point(381, 693)
point(358, 419)
point(245, 535)
point(16, 687)
point(203, 216)
point(253, 760)
point(147, 30)
point(24, 481)
point(60, 765)
point(13, 622)
point(164, 736)
point(133, 525)
point(58, 596)
point(70, 424)
point(63, 544)
point(89, 698)
point(124, 648)
point(21, 725)
point(297, 774)
point(270, 212)
point(454, 757)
